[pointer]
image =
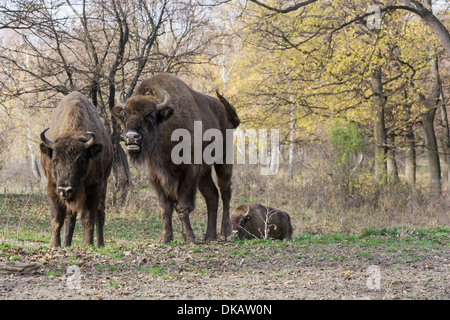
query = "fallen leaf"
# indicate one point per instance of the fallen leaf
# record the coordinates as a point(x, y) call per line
point(348, 272)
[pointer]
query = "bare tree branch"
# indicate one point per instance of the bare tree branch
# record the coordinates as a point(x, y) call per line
point(438, 28)
point(286, 10)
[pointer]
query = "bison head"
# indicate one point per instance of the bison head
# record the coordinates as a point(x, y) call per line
point(141, 118)
point(70, 157)
point(239, 219)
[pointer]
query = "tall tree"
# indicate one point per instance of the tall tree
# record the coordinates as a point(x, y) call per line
point(416, 7)
point(361, 69)
point(379, 101)
point(100, 47)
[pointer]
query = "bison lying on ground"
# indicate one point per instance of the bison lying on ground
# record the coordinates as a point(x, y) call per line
point(257, 221)
point(158, 107)
point(76, 157)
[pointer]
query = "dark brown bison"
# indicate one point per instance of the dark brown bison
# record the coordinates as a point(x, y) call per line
point(158, 107)
point(76, 157)
point(257, 221)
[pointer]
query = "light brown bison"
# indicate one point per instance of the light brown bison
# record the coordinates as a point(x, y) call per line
point(257, 221)
point(158, 107)
point(76, 157)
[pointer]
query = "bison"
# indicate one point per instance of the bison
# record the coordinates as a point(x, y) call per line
point(157, 107)
point(76, 157)
point(258, 221)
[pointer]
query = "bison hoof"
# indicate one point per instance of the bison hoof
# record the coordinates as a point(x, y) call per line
point(166, 239)
point(189, 240)
point(54, 245)
point(209, 238)
point(226, 238)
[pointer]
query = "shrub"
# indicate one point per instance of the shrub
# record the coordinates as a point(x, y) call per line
point(347, 146)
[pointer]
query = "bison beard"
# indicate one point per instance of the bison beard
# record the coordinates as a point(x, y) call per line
point(76, 158)
point(157, 107)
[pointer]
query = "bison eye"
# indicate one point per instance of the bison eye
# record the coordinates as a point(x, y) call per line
point(119, 113)
point(80, 161)
point(151, 118)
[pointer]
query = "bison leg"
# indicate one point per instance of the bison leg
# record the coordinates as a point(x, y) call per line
point(88, 220)
point(224, 172)
point(209, 191)
point(89, 215)
point(100, 219)
point(185, 205)
point(69, 225)
point(188, 233)
point(57, 213)
point(56, 223)
point(183, 212)
point(166, 212)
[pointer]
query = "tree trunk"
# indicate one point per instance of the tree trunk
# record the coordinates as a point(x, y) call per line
point(121, 170)
point(410, 156)
point(410, 144)
point(292, 127)
point(34, 165)
point(432, 103)
point(432, 152)
point(379, 128)
point(392, 170)
point(445, 138)
point(291, 142)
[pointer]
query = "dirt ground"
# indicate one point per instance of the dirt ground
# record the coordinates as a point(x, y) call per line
point(229, 271)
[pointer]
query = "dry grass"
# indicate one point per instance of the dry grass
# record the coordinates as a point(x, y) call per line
point(315, 199)
point(318, 205)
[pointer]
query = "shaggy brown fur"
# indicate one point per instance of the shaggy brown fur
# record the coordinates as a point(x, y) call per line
point(68, 164)
point(251, 220)
point(149, 132)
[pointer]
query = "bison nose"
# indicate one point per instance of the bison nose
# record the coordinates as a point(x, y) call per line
point(66, 192)
point(133, 141)
point(133, 137)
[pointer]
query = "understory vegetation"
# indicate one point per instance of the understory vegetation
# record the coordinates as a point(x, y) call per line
point(317, 204)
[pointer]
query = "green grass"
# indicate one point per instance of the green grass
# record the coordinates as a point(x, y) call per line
point(116, 284)
point(25, 226)
point(112, 268)
point(25, 218)
point(156, 271)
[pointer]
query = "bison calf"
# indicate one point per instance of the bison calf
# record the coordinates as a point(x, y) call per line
point(77, 157)
point(257, 221)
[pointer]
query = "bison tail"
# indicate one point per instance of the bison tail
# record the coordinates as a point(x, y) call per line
point(231, 111)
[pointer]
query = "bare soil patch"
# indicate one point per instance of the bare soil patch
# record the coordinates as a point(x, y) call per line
point(249, 271)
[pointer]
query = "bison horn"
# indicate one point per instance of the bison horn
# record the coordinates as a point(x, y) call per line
point(91, 141)
point(166, 101)
point(44, 139)
point(121, 98)
point(248, 210)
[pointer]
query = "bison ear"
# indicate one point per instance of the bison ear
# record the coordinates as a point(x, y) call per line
point(46, 150)
point(118, 113)
point(248, 217)
point(95, 149)
point(164, 114)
